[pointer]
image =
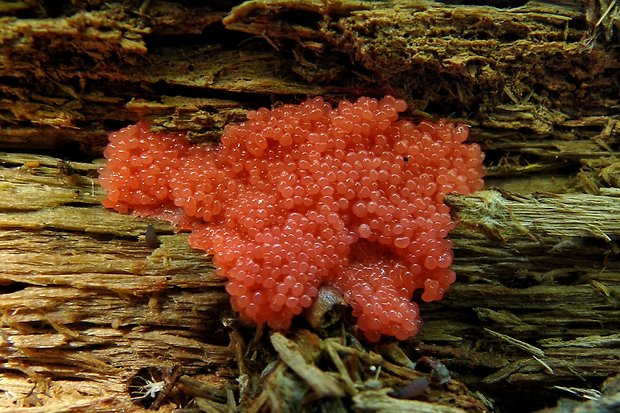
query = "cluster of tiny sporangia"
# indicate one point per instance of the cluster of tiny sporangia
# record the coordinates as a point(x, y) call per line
point(307, 195)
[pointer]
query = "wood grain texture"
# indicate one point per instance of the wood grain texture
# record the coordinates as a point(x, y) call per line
point(95, 315)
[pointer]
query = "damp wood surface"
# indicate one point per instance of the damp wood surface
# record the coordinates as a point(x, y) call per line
point(104, 311)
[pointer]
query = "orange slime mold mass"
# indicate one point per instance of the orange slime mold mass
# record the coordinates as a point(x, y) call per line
point(302, 196)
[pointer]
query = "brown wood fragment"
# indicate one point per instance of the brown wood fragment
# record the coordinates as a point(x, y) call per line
point(321, 383)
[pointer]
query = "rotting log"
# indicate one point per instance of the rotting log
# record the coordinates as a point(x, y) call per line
point(98, 315)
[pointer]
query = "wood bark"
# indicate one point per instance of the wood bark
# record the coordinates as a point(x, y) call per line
point(100, 314)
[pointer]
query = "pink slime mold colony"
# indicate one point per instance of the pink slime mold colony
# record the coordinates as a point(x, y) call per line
point(302, 196)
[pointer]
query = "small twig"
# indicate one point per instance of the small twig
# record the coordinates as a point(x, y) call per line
point(589, 394)
point(517, 343)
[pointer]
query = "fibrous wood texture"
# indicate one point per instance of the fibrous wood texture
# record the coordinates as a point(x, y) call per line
point(108, 312)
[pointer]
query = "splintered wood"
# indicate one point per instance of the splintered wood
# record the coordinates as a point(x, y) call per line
point(109, 312)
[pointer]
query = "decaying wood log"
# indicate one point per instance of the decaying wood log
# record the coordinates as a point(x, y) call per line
point(102, 311)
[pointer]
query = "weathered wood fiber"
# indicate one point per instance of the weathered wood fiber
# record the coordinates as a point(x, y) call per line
point(96, 312)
